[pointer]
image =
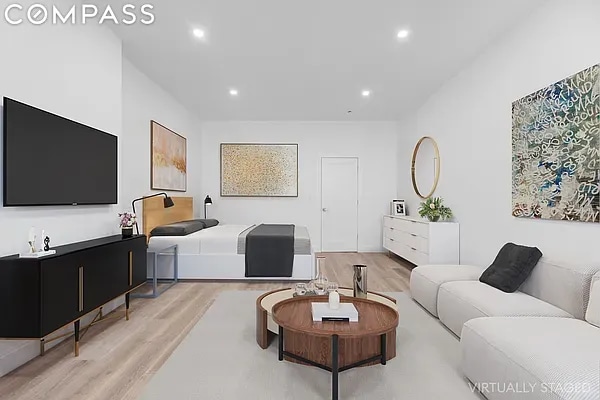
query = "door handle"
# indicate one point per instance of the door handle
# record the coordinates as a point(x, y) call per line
point(130, 268)
point(324, 210)
point(80, 289)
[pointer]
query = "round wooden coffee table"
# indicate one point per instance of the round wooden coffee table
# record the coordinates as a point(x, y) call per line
point(336, 346)
point(267, 329)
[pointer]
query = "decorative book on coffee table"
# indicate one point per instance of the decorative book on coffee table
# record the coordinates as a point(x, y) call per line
point(321, 312)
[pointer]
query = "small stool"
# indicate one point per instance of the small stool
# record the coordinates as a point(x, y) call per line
point(425, 281)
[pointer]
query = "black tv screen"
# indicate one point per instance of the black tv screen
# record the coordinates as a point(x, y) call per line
point(52, 160)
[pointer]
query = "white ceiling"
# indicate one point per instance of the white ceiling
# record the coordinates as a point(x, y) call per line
point(310, 59)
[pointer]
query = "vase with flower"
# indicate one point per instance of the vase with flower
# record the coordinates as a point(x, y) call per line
point(434, 209)
point(127, 221)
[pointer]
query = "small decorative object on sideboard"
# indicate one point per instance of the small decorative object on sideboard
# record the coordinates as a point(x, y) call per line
point(34, 252)
point(433, 209)
point(31, 240)
point(127, 223)
point(47, 243)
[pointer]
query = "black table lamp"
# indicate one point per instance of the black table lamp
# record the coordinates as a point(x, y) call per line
point(207, 202)
point(167, 202)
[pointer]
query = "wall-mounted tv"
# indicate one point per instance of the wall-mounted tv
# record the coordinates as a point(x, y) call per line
point(52, 160)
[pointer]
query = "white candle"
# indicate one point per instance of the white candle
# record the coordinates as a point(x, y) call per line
point(334, 300)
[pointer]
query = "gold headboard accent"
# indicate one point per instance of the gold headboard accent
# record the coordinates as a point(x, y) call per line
point(155, 214)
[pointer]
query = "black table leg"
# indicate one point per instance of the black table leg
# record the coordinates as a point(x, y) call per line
point(335, 369)
point(280, 344)
point(127, 306)
point(383, 349)
point(76, 326)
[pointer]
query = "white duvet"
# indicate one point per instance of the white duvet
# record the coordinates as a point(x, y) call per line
point(220, 239)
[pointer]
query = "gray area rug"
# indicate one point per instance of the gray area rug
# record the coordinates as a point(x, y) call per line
point(219, 359)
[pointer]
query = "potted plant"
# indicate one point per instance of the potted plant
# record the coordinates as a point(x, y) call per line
point(127, 223)
point(433, 209)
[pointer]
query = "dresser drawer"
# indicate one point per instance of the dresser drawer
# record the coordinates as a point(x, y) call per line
point(410, 226)
point(414, 256)
point(392, 245)
point(388, 222)
point(416, 242)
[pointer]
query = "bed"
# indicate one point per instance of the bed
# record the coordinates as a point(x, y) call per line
point(218, 252)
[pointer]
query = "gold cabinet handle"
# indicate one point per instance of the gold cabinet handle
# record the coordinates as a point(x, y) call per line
point(130, 268)
point(80, 289)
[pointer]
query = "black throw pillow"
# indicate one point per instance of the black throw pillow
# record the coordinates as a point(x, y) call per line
point(512, 266)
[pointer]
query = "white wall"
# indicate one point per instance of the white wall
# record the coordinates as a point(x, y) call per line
point(470, 117)
point(373, 143)
point(75, 73)
point(144, 101)
point(79, 72)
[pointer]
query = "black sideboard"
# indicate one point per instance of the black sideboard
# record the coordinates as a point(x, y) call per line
point(38, 296)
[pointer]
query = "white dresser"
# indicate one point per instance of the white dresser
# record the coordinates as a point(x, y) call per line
point(422, 242)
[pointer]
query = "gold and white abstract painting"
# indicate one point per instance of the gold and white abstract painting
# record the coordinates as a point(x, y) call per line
point(259, 170)
point(169, 159)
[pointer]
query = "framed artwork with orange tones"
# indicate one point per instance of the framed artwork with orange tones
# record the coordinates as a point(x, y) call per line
point(259, 170)
point(169, 159)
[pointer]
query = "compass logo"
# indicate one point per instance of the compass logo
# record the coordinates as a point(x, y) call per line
point(39, 14)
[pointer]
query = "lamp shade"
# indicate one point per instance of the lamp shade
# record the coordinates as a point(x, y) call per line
point(168, 202)
point(208, 200)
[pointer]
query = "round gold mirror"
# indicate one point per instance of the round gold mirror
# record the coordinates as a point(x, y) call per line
point(425, 166)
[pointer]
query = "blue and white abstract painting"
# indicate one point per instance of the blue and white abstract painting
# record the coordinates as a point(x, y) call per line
point(556, 150)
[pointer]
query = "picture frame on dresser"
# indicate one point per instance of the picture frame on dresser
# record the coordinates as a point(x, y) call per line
point(398, 208)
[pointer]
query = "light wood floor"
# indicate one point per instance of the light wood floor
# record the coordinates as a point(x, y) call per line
point(119, 357)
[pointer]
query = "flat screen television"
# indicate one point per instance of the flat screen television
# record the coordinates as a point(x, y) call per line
point(51, 160)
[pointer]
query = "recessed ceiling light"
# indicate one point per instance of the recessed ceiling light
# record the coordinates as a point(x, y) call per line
point(233, 92)
point(403, 34)
point(366, 93)
point(199, 33)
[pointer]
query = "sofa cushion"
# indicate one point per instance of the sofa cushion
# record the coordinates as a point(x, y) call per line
point(593, 311)
point(459, 302)
point(511, 267)
point(564, 285)
point(532, 358)
point(425, 281)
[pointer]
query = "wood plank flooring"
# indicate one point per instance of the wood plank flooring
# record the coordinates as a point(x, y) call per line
point(118, 358)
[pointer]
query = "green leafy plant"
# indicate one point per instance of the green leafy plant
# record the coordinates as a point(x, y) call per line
point(433, 209)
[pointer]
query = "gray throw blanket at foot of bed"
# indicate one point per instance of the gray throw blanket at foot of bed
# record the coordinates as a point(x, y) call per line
point(270, 251)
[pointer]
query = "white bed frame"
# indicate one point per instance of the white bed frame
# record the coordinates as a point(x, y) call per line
point(224, 267)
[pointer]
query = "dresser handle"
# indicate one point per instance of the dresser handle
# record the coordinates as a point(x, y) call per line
point(391, 239)
point(413, 235)
point(413, 248)
point(80, 289)
point(130, 268)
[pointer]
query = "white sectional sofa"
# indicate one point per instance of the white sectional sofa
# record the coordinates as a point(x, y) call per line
point(532, 344)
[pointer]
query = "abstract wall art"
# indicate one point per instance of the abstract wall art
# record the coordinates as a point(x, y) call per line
point(169, 159)
point(259, 170)
point(556, 150)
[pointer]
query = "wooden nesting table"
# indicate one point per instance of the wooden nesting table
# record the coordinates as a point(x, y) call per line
point(267, 329)
point(335, 346)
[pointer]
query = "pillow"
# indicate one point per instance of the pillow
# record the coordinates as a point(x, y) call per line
point(512, 266)
point(209, 223)
point(593, 311)
point(181, 228)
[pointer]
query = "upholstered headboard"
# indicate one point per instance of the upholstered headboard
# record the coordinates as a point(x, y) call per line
point(154, 214)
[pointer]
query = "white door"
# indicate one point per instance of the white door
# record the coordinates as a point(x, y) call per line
point(339, 204)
